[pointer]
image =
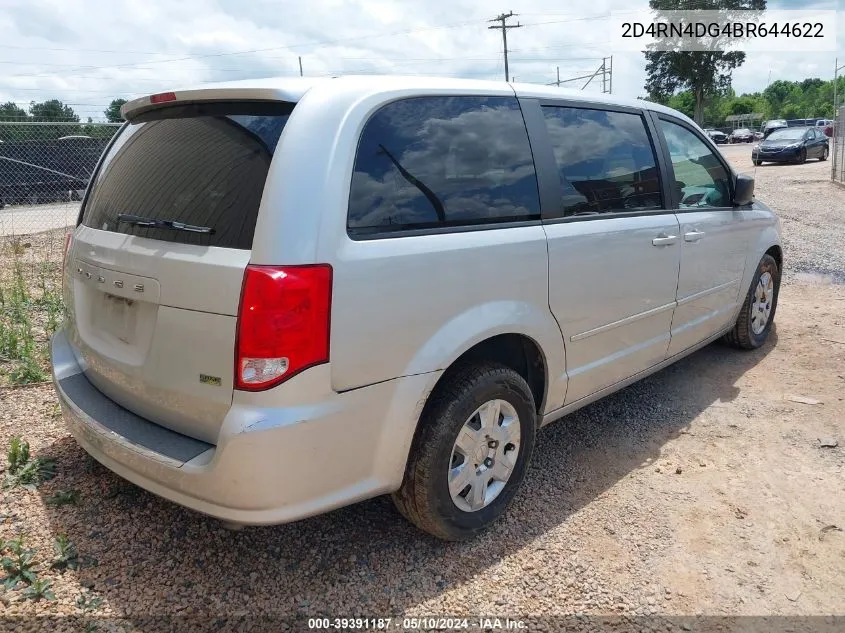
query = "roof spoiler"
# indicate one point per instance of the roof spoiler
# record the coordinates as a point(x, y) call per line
point(131, 109)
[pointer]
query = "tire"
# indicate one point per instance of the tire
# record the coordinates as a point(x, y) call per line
point(743, 334)
point(757, 163)
point(825, 153)
point(424, 497)
point(802, 157)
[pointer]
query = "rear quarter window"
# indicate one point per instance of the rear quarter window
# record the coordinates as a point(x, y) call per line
point(431, 162)
point(203, 165)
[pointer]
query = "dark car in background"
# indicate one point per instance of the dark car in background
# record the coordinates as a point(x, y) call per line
point(770, 126)
point(742, 135)
point(792, 145)
point(41, 171)
point(717, 136)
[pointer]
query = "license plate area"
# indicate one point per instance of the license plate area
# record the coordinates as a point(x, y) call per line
point(118, 317)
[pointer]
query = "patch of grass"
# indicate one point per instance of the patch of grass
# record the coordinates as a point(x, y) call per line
point(50, 302)
point(38, 590)
point(24, 471)
point(27, 371)
point(18, 563)
point(66, 555)
point(31, 310)
point(18, 454)
point(63, 498)
point(17, 247)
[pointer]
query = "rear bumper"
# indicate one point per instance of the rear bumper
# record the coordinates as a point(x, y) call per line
point(272, 463)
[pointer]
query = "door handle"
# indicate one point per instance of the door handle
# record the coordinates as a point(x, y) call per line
point(664, 240)
point(693, 236)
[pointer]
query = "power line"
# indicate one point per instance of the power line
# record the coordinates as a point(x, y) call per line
point(272, 48)
point(503, 17)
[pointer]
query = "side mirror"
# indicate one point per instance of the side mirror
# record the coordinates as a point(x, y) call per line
point(743, 190)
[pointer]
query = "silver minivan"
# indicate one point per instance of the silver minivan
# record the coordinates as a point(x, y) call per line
point(285, 296)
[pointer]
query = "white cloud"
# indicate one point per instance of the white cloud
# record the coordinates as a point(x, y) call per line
point(123, 48)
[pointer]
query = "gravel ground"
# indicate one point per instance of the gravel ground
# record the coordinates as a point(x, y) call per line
point(703, 489)
point(811, 210)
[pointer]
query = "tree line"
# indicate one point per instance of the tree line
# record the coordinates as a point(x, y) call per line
point(53, 111)
point(809, 98)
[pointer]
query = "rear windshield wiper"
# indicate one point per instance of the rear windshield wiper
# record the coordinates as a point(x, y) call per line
point(138, 220)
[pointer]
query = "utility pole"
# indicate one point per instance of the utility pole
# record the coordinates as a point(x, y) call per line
point(503, 17)
point(558, 77)
point(300, 65)
point(600, 69)
point(603, 76)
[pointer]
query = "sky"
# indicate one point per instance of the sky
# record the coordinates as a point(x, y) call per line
point(87, 52)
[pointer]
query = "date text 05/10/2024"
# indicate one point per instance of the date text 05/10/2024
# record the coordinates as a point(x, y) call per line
point(417, 623)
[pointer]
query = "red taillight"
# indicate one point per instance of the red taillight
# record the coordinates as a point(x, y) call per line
point(283, 323)
point(162, 97)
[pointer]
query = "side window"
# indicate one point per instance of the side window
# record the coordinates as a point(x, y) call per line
point(443, 161)
point(605, 160)
point(700, 177)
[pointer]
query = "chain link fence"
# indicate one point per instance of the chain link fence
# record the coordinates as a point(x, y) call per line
point(44, 170)
point(838, 149)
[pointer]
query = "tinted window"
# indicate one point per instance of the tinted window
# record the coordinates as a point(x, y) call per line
point(443, 161)
point(794, 134)
point(700, 178)
point(605, 160)
point(203, 165)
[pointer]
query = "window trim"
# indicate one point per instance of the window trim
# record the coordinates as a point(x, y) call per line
point(375, 233)
point(551, 213)
point(380, 234)
point(96, 171)
point(270, 105)
point(667, 158)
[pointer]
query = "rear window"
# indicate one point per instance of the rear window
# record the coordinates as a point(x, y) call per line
point(202, 165)
point(432, 162)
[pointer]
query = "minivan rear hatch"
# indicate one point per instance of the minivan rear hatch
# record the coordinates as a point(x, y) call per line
point(154, 272)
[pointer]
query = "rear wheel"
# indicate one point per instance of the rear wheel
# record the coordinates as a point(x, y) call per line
point(758, 312)
point(758, 162)
point(825, 153)
point(471, 452)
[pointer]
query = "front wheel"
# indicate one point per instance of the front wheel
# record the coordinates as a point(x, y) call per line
point(471, 452)
point(802, 156)
point(757, 163)
point(758, 312)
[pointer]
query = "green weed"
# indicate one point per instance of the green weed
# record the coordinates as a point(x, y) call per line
point(88, 601)
point(63, 498)
point(66, 555)
point(18, 563)
point(39, 589)
point(24, 471)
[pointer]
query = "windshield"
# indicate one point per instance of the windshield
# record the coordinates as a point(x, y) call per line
point(201, 165)
point(742, 131)
point(788, 134)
